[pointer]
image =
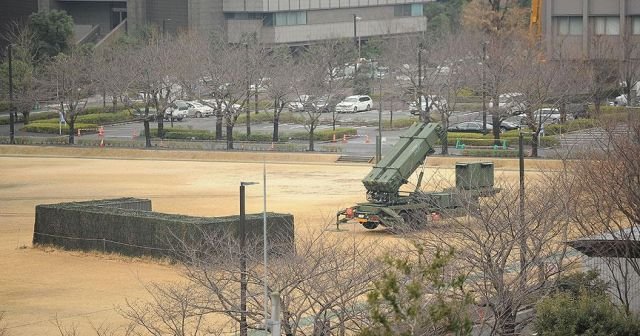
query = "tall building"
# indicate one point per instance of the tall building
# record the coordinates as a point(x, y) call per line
point(283, 21)
point(583, 29)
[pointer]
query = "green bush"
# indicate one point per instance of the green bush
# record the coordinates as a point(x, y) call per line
point(105, 117)
point(267, 117)
point(545, 141)
point(323, 135)
point(465, 92)
point(476, 142)
point(398, 123)
point(183, 133)
point(463, 135)
point(570, 126)
point(491, 152)
point(54, 128)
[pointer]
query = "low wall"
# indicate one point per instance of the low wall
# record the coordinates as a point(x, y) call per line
point(128, 226)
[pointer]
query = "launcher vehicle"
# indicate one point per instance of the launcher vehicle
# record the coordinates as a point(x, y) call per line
point(388, 206)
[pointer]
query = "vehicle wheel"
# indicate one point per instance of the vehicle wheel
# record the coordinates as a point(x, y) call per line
point(179, 119)
point(370, 225)
point(368, 107)
point(198, 114)
point(503, 129)
point(355, 109)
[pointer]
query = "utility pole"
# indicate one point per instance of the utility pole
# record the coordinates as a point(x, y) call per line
point(484, 89)
point(12, 117)
point(423, 113)
point(379, 142)
point(523, 237)
point(246, 105)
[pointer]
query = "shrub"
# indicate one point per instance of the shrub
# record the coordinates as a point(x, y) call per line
point(397, 123)
point(54, 128)
point(183, 133)
point(570, 126)
point(105, 117)
point(322, 135)
point(491, 152)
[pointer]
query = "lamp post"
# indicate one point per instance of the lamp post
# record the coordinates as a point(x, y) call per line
point(484, 90)
point(164, 28)
point(356, 39)
point(242, 232)
point(12, 117)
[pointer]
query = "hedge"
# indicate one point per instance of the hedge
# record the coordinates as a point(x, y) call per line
point(54, 128)
point(397, 123)
point(492, 152)
point(4, 120)
point(570, 126)
point(322, 135)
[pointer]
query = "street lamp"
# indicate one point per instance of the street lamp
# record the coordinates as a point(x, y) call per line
point(164, 30)
point(356, 39)
point(484, 90)
point(12, 116)
point(242, 232)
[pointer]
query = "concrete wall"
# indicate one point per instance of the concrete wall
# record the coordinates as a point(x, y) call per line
point(89, 13)
point(614, 275)
point(589, 44)
point(289, 5)
point(206, 16)
point(136, 14)
point(346, 15)
point(173, 12)
point(313, 32)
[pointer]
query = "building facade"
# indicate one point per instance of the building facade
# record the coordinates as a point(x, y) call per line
point(282, 21)
point(591, 28)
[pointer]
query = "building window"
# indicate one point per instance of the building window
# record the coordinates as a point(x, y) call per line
point(569, 25)
point(288, 19)
point(606, 25)
point(635, 25)
point(409, 10)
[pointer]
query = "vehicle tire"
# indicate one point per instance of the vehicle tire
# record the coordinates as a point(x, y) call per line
point(355, 109)
point(368, 107)
point(179, 119)
point(198, 114)
point(503, 129)
point(370, 225)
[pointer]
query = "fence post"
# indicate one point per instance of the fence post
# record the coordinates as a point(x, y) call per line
point(104, 245)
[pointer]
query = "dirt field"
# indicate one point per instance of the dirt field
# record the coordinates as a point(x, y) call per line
point(37, 286)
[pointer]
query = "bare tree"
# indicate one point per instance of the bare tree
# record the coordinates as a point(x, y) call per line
point(70, 78)
point(323, 279)
point(608, 205)
point(321, 65)
point(280, 89)
point(629, 66)
point(601, 70)
point(25, 68)
point(511, 258)
point(226, 78)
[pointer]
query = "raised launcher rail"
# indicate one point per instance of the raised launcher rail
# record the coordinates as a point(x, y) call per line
point(394, 170)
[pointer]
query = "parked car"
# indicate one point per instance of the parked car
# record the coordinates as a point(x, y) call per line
point(298, 103)
point(512, 102)
point(177, 111)
point(469, 127)
point(435, 103)
point(354, 104)
point(198, 110)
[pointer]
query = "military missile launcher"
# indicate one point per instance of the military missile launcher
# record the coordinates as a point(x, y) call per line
point(388, 206)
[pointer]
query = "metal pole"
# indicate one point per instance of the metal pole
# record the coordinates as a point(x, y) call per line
point(484, 90)
point(423, 114)
point(243, 265)
point(275, 314)
point(264, 242)
point(248, 113)
point(379, 142)
point(12, 121)
point(523, 242)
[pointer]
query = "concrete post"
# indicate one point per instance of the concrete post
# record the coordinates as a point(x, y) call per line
point(275, 314)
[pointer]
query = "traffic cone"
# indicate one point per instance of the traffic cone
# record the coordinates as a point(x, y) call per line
point(344, 138)
point(101, 142)
point(101, 131)
point(78, 132)
point(134, 135)
point(272, 145)
point(366, 139)
point(334, 138)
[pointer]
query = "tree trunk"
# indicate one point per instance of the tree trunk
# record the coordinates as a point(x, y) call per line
point(229, 137)
point(535, 137)
point(495, 121)
point(25, 117)
point(563, 112)
point(72, 131)
point(255, 100)
point(160, 126)
point(311, 129)
point(444, 138)
point(114, 102)
point(147, 133)
point(219, 124)
point(276, 120)
point(248, 114)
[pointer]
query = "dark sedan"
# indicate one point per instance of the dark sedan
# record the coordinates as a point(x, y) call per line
point(469, 127)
